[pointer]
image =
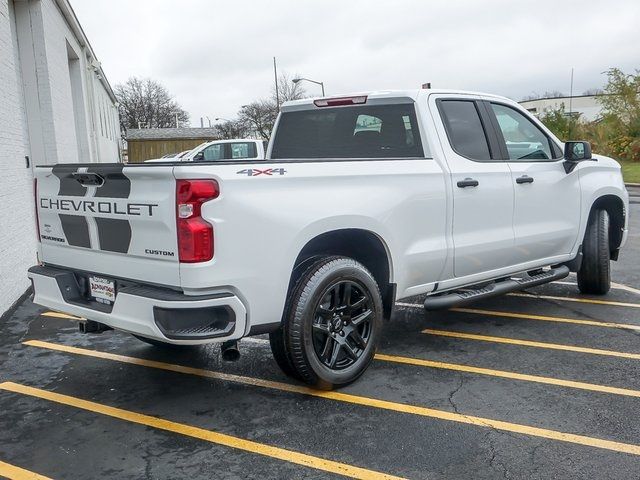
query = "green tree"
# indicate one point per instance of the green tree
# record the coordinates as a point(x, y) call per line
point(557, 120)
point(617, 132)
point(621, 113)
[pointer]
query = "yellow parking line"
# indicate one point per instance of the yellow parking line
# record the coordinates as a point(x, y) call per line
point(357, 400)
point(616, 286)
point(490, 372)
point(545, 318)
point(201, 433)
point(510, 375)
point(493, 373)
point(573, 299)
point(528, 343)
point(16, 473)
point(60, 315)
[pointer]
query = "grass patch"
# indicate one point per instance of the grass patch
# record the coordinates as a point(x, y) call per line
point(630, 171)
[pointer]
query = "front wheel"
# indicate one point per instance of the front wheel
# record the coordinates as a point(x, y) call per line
point(594, 276)
point(333, 322)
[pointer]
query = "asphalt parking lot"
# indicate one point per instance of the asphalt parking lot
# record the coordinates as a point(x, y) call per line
point(540, 384)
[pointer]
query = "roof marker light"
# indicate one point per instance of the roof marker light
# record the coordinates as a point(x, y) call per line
point(340, 101)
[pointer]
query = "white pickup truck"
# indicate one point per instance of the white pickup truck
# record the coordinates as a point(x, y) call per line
point(363, 200)
point(219, 150)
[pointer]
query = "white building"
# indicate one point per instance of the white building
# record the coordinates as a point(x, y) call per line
point(55, 106)
point(586, 105)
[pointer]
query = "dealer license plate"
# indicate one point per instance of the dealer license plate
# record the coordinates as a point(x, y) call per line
point(103, 290)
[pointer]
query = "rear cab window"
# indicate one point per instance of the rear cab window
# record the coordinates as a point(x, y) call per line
point(362, 131)
point(242, 150)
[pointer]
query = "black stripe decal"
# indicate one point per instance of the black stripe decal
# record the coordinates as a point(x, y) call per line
point(114, 234)
point(69, 186)
point(116, 183)
point(76, 229)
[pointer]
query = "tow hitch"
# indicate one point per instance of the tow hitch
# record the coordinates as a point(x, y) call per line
point(89, 326)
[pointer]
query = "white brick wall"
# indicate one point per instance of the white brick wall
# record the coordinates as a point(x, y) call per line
point(37, 111)
point(17, 224)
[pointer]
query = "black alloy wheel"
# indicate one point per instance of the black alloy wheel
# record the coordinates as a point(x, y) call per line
point(342, 324)
point(331, 324)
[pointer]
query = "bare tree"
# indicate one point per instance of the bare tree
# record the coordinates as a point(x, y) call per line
point(259, 116)
point(547, 94)
point(146, 101)
point(232, 129)
point(287, 90)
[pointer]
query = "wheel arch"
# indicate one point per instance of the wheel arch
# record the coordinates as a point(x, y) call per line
point(614, 206)
point(360, 244)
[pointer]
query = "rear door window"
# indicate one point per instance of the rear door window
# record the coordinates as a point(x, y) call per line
point(363, 131)
point(242, 150)
point(465, 129)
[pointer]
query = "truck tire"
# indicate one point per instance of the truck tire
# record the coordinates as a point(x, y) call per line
point(594, 276)
point(333, 322)
point(280, 350)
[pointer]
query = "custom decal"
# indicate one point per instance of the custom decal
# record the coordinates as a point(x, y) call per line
point(69, 186)
point(76, 229)
point(116, 183)
point(114, 234)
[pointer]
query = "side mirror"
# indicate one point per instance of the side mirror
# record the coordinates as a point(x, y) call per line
point(575, 152)
point(198, 157)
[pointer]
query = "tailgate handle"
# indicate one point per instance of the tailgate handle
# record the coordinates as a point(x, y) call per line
point(88, 179)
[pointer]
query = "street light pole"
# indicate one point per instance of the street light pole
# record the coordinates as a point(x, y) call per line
point(275, 75)
point(296, 80)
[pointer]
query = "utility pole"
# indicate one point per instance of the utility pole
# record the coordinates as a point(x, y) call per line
point(275, 74)
point(176, 119)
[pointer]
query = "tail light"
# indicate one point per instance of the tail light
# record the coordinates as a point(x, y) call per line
point(35, 206)
point(195, 235)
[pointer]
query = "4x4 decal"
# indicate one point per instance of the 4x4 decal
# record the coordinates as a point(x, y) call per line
point(254, 172)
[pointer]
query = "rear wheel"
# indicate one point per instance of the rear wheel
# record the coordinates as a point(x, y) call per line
point(594, 276)
point(280, 351)
point(332, 324)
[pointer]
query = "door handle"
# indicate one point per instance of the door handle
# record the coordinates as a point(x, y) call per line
point(468, 182)
point(524, 179)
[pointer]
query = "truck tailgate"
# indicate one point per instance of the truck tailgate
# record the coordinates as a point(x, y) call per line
point(110, 219)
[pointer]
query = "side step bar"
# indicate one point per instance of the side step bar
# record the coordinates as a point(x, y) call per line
point(462, 297)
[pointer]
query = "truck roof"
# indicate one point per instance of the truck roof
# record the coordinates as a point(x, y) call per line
point(384, 95)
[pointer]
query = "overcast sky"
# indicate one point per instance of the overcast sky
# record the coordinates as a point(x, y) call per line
point(215, 56)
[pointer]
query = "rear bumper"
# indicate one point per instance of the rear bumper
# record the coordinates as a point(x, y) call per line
point(144, 310)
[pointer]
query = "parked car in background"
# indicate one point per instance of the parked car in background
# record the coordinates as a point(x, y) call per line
point(233, 149)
